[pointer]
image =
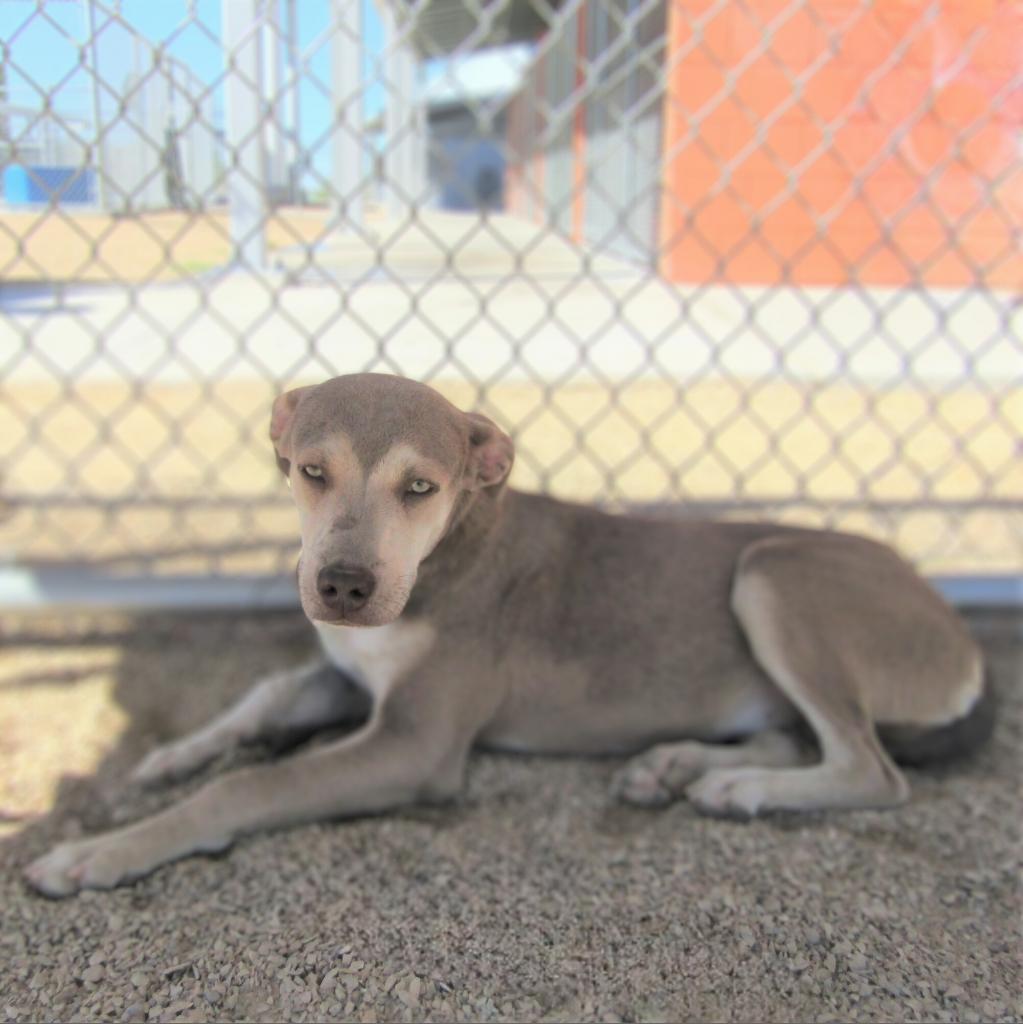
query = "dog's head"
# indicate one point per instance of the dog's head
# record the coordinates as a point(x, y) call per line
point(380, 467)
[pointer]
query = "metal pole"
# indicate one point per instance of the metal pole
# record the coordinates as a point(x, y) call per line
point(4, 130)
point(393, 112)
point(403, 120)
point(349, 132)
point(294, 148)
point(97, 124)
point(271, 88)
point(245, 177)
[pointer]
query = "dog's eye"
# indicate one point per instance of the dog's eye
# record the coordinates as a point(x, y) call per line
point(313, 472)
point(421, 487)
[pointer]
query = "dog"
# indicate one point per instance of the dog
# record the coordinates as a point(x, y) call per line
point(454, 612)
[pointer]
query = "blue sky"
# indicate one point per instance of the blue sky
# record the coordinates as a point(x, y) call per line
point(43, 56)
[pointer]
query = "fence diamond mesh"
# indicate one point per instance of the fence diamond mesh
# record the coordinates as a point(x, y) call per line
point(745, 257)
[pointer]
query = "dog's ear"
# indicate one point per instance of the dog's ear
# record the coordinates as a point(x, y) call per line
point(491, 453)
point(280, 426)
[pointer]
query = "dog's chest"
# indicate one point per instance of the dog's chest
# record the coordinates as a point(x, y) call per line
point(376, 656)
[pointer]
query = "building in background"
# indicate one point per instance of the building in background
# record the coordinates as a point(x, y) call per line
point(584, 140)
point(466, 111)
point(45, 158)
point(820, 142)
point(161, 150)
point(801, 141)
point(165, 150)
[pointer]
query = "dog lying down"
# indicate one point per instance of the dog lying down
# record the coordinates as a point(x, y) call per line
point(473, 615)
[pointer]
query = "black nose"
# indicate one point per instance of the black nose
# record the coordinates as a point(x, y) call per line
point(344, 588)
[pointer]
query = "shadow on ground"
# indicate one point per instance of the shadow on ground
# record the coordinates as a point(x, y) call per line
point(533, 898)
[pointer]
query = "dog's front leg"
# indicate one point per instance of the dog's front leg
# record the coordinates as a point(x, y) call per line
point(313, 695)
point(399, 757)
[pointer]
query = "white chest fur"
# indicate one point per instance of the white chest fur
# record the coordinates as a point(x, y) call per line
point(377, 656)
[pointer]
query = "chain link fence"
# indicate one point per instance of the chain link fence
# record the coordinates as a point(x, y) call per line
point(731, 257)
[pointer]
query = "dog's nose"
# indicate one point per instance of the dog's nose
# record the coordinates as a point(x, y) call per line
point(344, 588)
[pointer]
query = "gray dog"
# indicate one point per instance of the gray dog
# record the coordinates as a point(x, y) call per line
point(461, 613)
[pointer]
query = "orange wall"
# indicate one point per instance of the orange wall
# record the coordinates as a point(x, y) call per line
point(939, 207)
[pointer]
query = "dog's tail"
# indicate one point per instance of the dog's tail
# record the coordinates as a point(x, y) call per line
point(913, 745)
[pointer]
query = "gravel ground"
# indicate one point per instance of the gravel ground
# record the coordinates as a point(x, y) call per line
point(533, 898)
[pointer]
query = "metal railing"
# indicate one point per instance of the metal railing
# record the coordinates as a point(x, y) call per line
point(754, 257)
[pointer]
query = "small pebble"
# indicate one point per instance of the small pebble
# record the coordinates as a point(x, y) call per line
point(858, 962)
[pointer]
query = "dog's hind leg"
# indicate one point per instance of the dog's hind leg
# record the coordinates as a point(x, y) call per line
point(831, 622)
point(662, 773)
point(282, 705)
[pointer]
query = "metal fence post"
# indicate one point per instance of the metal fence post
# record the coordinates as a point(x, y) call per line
point(347, 152)
point(293, 114)
point(403, 122)
point(246, 186)
point(97, 113)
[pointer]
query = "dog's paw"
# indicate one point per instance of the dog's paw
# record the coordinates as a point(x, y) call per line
point(637, 784)
point(95, 863)
point(659, 775)
point(169, 763)
point(730, 792)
